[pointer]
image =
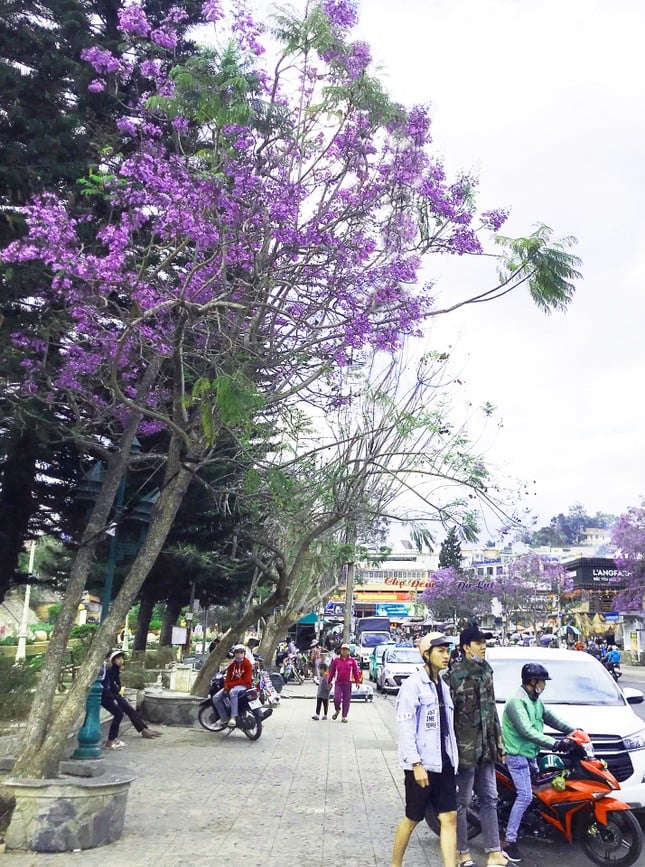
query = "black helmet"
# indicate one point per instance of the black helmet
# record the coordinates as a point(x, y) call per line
point(534, 671)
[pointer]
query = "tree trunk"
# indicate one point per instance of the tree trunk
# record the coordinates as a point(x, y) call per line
point(272, 631)
point(214, 661)
point(170, 616)
point(45, 734)
point(146, 607)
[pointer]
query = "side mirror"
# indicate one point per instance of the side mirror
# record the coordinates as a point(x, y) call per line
point(633, 696)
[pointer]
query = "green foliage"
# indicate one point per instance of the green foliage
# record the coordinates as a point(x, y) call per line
point(159, 658)
point(84, 634)
point(544, 263)
point(133, 676)
point(211, 88)
point(16, 689)
point(9, 641)
point(52, 612)
point(450, 553)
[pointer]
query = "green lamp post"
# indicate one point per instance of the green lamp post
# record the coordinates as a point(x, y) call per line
point(89, 734)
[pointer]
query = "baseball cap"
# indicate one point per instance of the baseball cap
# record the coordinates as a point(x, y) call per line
point(114, 655)
point(433, 639)
point(345, 645)
point(473, 633)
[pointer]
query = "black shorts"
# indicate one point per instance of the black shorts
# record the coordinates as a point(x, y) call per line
point(441, 792)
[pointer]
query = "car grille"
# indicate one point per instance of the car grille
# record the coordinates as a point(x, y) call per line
point(612, 749)
point(399, 678)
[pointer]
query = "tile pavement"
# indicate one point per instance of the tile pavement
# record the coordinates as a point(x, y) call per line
point(307, 793)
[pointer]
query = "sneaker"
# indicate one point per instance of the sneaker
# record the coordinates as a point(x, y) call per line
point(219, 725)
point(497, 859)
point(325, 717)
point(344, 719)
point(512, 852)
point(232, 723)
point(315, 716)
point(335, 714)
point(115, 745)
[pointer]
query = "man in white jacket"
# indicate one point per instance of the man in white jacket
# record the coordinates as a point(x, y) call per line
point(428, 749)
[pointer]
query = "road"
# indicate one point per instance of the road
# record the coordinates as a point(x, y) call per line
point(635, 677)
point(536, 852)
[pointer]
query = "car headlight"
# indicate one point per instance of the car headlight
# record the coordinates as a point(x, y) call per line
point(635, 741)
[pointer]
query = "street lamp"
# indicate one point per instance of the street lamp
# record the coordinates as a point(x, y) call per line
point(89, 734)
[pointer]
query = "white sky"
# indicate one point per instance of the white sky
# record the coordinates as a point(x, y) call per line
point(543, 100)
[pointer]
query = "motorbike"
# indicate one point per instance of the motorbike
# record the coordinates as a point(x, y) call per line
point(613, 668)
point(576, 803)
point(251, 713)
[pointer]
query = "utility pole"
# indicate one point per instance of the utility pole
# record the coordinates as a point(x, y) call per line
point(21, 652)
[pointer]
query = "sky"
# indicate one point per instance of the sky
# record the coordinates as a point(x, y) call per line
point(543, 101)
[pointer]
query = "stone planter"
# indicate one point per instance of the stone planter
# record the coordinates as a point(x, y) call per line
point(70, 812)
point(170, 708)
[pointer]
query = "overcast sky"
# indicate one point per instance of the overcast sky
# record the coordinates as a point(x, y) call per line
point(543, 100)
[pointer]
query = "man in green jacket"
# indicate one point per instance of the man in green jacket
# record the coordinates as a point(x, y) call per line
point(479, 742)
point(523, 732)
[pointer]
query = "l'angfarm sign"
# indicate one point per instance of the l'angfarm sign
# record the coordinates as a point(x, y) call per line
point(597, 572)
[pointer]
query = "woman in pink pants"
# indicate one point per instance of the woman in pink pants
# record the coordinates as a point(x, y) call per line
point(342, 671)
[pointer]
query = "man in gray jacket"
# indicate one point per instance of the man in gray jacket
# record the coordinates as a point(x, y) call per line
point(428, 749)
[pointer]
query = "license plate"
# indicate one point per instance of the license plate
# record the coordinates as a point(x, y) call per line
point(255, 704)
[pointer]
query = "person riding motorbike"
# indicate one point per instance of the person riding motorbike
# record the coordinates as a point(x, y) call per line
point(523, 735)
point(238, 678)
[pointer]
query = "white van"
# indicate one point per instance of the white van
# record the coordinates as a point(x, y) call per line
point(583, 693)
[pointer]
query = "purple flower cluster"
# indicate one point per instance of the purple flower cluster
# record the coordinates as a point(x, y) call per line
point(341, 13)
point(309, 243)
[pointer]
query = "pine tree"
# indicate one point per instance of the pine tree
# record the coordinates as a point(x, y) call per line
point(450, 554)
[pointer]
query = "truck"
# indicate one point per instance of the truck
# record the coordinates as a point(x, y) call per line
point(370, 631)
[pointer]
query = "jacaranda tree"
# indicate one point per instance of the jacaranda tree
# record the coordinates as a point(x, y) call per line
point(628, 536)
point(263, 225)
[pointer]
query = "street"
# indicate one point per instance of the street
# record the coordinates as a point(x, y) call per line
point(536, 851)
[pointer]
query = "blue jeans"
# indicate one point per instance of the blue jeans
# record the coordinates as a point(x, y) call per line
point(482, 779)
point(220, 704)
point(520, 770)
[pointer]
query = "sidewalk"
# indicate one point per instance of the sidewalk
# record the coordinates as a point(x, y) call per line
point(311, 793)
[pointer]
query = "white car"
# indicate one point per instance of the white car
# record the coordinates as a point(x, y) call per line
point(583, 693)
point(399, 661)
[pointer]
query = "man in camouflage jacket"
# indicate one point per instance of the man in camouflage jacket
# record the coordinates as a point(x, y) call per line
point(479, 741)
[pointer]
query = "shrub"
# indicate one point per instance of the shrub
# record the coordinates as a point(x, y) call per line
point(16, 689)
point(160, 658)
point(133, 676)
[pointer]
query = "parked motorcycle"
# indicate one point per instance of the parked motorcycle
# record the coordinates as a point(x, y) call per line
point(575, 801)
point(251, 714)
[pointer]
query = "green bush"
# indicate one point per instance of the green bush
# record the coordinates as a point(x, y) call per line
point(9, 641)
point(133, 676)
point(161, 657)
point(16, 689)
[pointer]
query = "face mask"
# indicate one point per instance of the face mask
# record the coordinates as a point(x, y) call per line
point(476, 658)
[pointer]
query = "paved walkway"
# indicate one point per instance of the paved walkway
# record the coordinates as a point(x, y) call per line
point(307, 793)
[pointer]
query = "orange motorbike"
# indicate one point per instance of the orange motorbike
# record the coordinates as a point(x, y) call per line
point(573, 797)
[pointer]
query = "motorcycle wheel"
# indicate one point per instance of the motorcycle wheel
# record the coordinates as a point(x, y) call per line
point(277, 680)
point(251, 725)
point(207, 717)
point(618, 843)
point(474, 825)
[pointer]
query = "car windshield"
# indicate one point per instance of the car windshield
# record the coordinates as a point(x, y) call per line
point(403, 654)
point(371, 639)
point(579, 681)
